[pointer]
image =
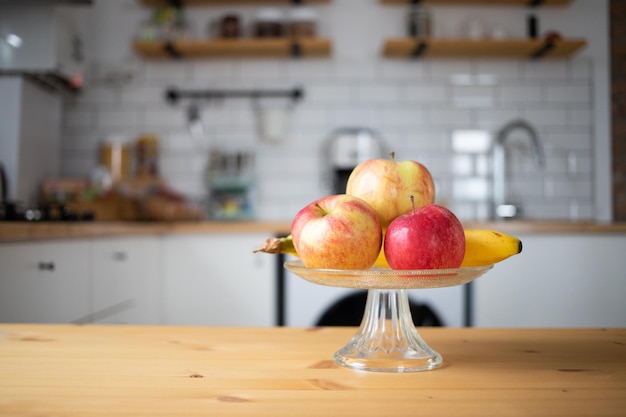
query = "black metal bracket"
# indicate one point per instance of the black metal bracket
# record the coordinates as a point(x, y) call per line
point(172, 95)
point(176, 3)
point(535, 3)
point(171, 50)
point(295, 49)
point(547, 46)
point(419, 49)
point(296, 2)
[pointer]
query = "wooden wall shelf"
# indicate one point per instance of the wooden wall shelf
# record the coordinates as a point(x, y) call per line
point(155, 3)
point(234, 48)
point(462, 48)
point(483, 2)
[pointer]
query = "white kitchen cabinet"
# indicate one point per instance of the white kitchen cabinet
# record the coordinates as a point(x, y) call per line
point(45, 282)
point(560, 280)
point(127, 280)
point(217, 280)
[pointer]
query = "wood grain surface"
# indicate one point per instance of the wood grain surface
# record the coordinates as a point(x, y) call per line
point(98, 370)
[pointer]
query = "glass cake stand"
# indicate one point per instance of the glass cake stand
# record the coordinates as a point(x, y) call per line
point(387, 340)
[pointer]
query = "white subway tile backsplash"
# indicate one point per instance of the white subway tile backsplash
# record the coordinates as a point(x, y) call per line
point(309, 70)
point(501, 71)
point(448, 117)
point(119, 117)
point(470, 189)
point(568, 93)
point(449, 70)
point(425, 93)
point(415, 105)
point(404, 71)
point(354, 70)
point(547, 116)
point(78, 117)
point(402, 117)
point(224, 71)
point(377, 93)
point(263, 70)
point(521, 93)
point(580, 68)
point(545, 70)
point(329, 93)
point(473, 97)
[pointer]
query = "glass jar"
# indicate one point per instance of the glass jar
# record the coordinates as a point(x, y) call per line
point(147, 153)
point(303, 23)
point(419, 22)
point(269, 23)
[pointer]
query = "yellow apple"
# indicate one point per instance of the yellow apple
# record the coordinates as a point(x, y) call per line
point(386, 186)
point(337, 232)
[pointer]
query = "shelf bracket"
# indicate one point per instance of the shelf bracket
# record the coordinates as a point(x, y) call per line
point(545, 48)
point(535, 3)
point(171, 50)
point(176, 3)
point(419, 49)
point(295, 49)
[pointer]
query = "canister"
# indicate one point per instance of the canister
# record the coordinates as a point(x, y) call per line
point(147, 155)
point(269, 23)
point(115, 157)
point(303, 23)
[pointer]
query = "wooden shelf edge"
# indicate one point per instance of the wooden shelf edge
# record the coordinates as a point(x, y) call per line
point(478, 2)
point(233, 48)
point(463, 48)
point(160, 3)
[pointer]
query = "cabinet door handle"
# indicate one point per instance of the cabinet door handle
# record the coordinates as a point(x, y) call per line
point(120, 256)
point(46, 266)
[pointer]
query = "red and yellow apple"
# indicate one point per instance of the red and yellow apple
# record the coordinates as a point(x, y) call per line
point(386, 186)
point(429, 237)
point(337, 232)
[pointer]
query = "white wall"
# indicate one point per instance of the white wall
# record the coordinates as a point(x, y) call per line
point(416, 105)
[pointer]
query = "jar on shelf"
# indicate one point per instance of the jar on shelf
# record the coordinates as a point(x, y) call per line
point(147, 156)
point(303, 23)
point(419, 22)
point(114, 156)
point(269, 23)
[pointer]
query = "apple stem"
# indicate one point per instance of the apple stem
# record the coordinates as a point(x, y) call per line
point(392, 155)
point(320, 208)
point(412, 202)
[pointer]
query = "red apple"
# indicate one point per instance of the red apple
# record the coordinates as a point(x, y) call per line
point(337, 232)
point(429, 237)
point(386, 185)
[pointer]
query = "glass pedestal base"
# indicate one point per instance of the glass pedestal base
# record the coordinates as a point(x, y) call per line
point(387, 340)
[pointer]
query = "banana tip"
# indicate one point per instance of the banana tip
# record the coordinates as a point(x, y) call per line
point(519, 247)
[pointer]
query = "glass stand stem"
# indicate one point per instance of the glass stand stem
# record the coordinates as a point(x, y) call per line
point(387, 340)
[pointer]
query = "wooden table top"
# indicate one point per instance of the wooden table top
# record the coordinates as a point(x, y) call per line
point(103, 370)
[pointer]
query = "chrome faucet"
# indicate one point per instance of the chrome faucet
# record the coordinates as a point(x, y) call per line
point(502, 208)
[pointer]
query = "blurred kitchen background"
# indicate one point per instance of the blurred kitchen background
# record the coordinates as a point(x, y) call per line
point(444, 113)
point(139, 110)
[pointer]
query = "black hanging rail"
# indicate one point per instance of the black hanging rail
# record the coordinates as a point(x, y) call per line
point(173, 94)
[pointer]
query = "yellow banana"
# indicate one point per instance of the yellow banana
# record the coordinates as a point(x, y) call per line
point(486, 247)
point(482, 247)
point(278, 245)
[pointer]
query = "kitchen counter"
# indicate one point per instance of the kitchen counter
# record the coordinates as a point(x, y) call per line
point(20, 231)
point(98, 370)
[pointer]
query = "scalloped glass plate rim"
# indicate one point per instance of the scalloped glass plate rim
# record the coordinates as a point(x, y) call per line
point(384, 278)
